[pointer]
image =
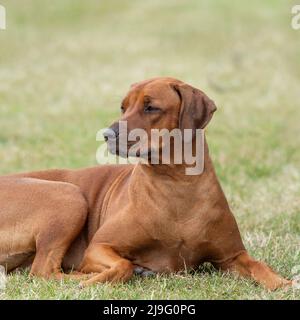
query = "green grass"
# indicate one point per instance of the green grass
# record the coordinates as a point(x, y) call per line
point(65, 65)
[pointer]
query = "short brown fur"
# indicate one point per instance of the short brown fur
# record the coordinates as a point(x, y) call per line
point(105, 221)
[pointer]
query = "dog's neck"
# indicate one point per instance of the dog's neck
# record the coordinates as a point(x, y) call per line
point(177, 185)
point(170, 187)
point(178, 171)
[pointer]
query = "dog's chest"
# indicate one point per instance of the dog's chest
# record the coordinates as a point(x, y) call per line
point(173, 247)
point(164, 258)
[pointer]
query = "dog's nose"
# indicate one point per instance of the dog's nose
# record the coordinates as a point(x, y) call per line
point(109, 134)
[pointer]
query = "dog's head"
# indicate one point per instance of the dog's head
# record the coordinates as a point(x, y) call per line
point(159, 103)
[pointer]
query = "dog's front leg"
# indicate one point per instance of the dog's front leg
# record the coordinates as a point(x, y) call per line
point(246, 266)
point(109, 265)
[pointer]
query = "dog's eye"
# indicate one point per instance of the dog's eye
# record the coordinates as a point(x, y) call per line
point(122, 109)
point(151, 109)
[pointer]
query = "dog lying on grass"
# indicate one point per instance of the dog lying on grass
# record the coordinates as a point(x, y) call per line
point(104, 222)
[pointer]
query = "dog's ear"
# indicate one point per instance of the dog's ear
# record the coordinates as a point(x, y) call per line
point(196, 108)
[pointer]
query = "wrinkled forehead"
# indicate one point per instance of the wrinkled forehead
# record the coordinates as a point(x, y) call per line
point(154, 90)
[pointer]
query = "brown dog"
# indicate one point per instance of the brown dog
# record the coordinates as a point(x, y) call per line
point(105, 221)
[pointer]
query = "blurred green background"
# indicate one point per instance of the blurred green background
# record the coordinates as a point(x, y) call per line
point(66, 64)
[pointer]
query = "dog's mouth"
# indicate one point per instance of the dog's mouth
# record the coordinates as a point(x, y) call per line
point(131, 149)
point(126, 150)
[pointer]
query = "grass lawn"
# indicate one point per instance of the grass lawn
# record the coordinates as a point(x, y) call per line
point(65, 65)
